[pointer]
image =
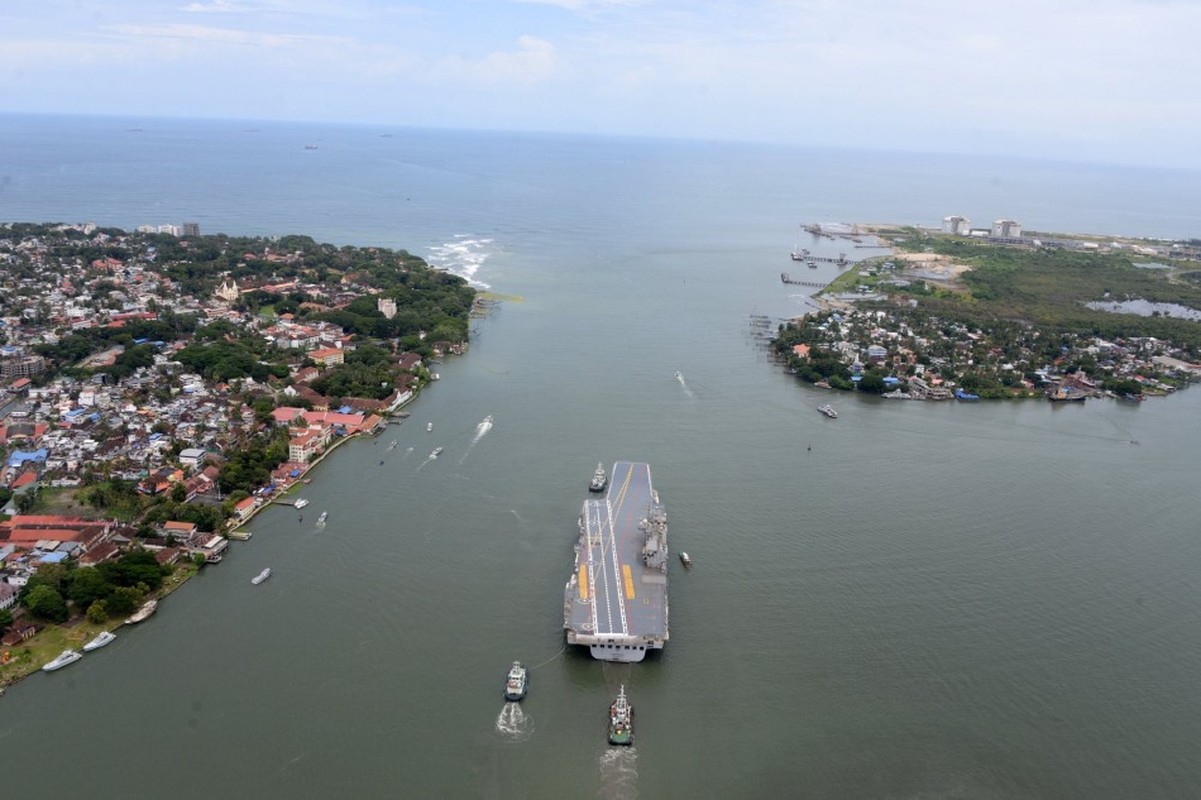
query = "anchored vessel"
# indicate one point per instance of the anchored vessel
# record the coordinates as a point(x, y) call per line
point(146, 610)
point(101, 639)
point(616, 599)
point(599, 479)
point(516, 682)
point(621, 720)
point(828, 410)
point(67, 657)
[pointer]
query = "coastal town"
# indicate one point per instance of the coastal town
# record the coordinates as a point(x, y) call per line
point(932, 319)
point(161, 387)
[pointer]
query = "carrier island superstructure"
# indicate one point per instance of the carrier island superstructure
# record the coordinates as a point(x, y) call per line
point(616, 599)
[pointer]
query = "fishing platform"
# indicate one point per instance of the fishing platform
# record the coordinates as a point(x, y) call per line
point(615, 602)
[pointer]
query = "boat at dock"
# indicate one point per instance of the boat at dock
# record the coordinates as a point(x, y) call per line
point(963, 396)
point(1062, 395)
point(148, 608)
point(239, 535)
point(599, 479)
point(62, 660)
point(300, 502)
point(828, 410)
point(516, 682)
point(262, 576)
point(615, 601)
point(101, 639)
point(621, 720)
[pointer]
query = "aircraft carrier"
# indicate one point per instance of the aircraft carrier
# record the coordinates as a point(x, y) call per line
point(616, 600)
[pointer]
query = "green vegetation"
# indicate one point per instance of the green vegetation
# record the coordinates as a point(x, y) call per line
point(1048, 288)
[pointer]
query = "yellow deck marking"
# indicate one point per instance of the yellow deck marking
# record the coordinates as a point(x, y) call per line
point(625, 570)
point(583, 581)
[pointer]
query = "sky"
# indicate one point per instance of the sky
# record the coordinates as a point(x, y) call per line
point(1115, 81)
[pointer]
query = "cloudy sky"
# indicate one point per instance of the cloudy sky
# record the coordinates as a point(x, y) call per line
point(1096, 80)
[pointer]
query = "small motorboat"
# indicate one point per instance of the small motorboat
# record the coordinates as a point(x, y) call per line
point(65, 658)
point(262, 576)
point(101, 639)
point(685, 559)
point(828, 410)
point(321, 519)
point(516, 682)
point(429, 426)
point(437, 451)
point(621, 720)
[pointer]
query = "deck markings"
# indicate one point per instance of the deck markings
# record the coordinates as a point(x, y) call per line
point(583, 581)
point(629, 579)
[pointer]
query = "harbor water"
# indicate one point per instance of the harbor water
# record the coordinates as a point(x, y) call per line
point(913, 600)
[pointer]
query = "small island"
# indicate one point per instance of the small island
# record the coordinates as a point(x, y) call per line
point(998, 314)
point(160, 388)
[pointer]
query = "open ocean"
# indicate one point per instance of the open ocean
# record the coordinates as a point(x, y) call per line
point(917, 600)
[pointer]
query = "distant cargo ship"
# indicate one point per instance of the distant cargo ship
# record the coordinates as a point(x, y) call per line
point(615, 602)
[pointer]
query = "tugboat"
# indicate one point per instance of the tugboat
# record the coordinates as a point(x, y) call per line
point(621, 720)
point(516, 682)
point(828, 410)
point(599, 479)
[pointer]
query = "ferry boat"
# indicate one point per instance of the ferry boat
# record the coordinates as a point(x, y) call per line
point(621, 720)
point(102, 638)
point(828, 410)
point(146, 610)
point(321, 519)
point(599, 479)
point(516, 682)
point(65, 658)
point(300, 502)
point(262, 576)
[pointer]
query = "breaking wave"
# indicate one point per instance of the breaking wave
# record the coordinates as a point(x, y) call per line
point(463, 255)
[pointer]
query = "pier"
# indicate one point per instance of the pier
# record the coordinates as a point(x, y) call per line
point(816, 284)
point(803, 255)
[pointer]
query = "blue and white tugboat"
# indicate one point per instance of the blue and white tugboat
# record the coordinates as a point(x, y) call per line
point(516, 682)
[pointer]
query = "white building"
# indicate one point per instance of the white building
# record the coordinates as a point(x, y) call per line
point(1007, 229)
point(956, 224)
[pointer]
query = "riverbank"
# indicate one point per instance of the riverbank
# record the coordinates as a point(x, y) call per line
point(32, 654)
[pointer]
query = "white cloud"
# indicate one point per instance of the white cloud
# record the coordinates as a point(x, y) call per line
point(535, 60)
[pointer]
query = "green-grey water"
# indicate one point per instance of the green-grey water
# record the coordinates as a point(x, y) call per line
point(916, 600)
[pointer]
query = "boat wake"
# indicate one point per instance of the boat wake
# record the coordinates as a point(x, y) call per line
point(462, 256)
point(514, 724)
point(619, 773)
point(680, 378)
point(481, 430)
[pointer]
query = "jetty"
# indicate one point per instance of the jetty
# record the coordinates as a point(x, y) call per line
point(816, 284)
point(804, 255)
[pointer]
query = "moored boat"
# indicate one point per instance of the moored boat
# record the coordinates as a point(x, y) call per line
point(828, 410)
point(300, 502)
point(101, 639)
point(65, 658)
point(516, 682)
point(262, 576)
point(621, 720)
point(599, 479)
point(960, 394)
point(146, 610)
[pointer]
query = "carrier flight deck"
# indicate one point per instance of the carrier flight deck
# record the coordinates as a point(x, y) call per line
point(616, 599)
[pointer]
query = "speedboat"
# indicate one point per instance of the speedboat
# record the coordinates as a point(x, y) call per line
point(429, 426)
point(321, 519)
point(102, 638)
point(828, 410)
point(392, 445)
point(621, 720)
point(300, 502)
point(516, 682)
point(262, 576)
point(436, 452)
point(599, 479)
point(146, 610)
point(685, 559)
point(67, 657)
